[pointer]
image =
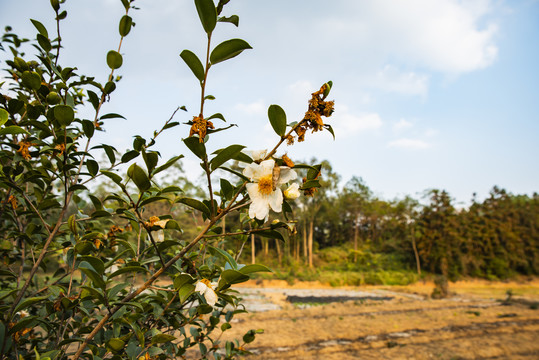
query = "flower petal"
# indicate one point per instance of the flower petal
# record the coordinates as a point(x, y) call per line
point(276, 200)
point(210, 296)
point(259, 208)
point(258, 154)
point(267, 167)
point(201, 287)
point(252, 190)
point(251, 170)
point(286, 175)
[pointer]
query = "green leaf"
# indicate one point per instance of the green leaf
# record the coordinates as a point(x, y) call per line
point(217, 116)
point(139, 177)
point(153, 199)
point(171, 125)
point(195, 204)
point(328, 88)
point(100, 213)
point(227, 190)
point(162, 338)
point(113, 176)
point(130, 155)
point(40, 27)
point(237, 173)
point(125, 25)
point(314, 171)
point(7, 273)
point(93, 98)
point(234, 19)
point(196, 146)
point(110, 86)
point(115, 344)
point(185, 291)
point(127, 269)
point(228, 258)
point(31, 80)
point(12, 130)
point(230, 276)
point(109, 150)
point(4, 116)
point(97, 264)
point(114, 60)
point(166, 165)
point(28, 302)
point(55, 5)
point(330, 129)
point(225, 155)
point(150, 159)
point(94, 293)
point(194, 64)
point(310, 184)
point(88, 128)
point(89, 271)
point(272, 234)
point(277, 118)
point(64, 114)
point(252, 268)
point(84, 247)
point(228, 49)
point(183, 279)
point(207, 14)
point(24, 323)
point(111, 116)
point(44, 42)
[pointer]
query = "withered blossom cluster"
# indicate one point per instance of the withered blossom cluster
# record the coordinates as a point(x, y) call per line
point(318, 107)
point(23, 149)
point(200, 126)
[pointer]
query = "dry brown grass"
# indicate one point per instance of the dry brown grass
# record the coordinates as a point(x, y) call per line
point(472, 325)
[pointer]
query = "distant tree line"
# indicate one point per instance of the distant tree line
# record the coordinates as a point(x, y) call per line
point(494, 238)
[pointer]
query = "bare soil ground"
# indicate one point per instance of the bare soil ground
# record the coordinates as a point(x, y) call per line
point(473, 324)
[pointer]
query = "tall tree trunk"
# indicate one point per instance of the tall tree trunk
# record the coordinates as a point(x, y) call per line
point(279, 254)
point(311, 229)
point(298, 249)
point(253, 250)
point(305, 248)
point(356, 233)
point(416, 254)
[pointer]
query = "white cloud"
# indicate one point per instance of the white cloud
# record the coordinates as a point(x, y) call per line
point(301, 88)
point(254, 108)
point(392, 79)
point(405, 143)
point(443, 35)
point(402, 124)
point(346, 124)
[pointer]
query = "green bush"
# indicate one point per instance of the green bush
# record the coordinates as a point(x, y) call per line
point(110, 277)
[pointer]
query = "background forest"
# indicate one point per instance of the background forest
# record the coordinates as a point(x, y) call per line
point(346, 235)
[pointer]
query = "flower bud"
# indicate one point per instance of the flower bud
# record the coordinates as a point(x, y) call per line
point(292, 192)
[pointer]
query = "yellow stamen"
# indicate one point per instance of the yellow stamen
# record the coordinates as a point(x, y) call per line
point(265, 185)
point(206, 282)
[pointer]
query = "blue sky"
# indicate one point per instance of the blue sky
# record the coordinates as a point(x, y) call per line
point(429, 93)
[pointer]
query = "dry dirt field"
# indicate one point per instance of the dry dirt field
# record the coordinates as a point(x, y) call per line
point(398, 323)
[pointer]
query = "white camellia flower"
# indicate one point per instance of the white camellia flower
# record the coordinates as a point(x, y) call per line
point(292, 192)
point(204, 287)
point(264, 191)
point(259, 155)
